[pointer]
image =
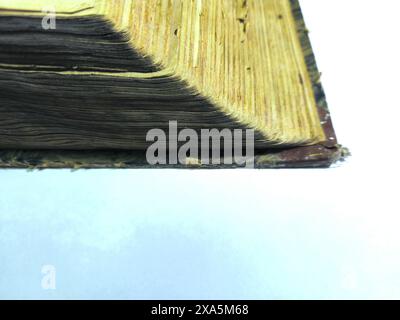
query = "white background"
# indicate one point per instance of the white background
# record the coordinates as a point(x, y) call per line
point(233, 234)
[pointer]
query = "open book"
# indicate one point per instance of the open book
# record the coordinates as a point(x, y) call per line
point(83, 82)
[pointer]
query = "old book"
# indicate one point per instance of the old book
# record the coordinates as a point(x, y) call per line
point(84, 81)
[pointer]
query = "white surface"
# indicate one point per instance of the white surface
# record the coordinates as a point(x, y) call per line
point(233, 234)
